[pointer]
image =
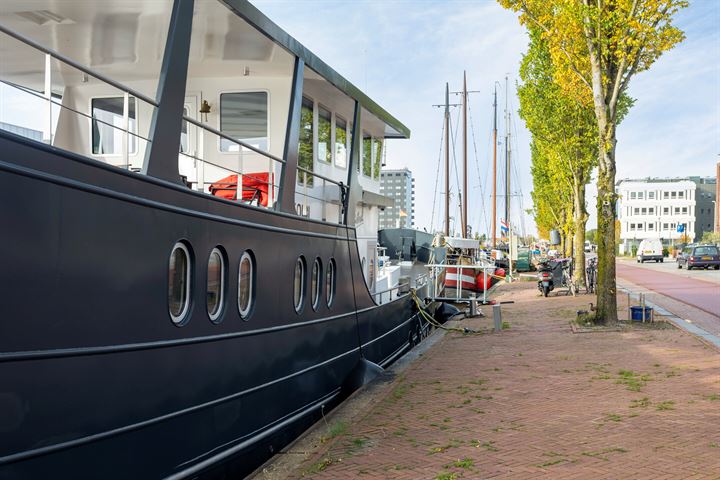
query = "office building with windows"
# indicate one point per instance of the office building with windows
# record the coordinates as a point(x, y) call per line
point(399, 185)
point(666, 209)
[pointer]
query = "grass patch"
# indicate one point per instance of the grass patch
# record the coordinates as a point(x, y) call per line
point(359, 442)
point(400, 391)
point(489, 446)
point(446, 476)
point(444, 448)
point(613, 417)
point(320, 466)
point(505, 325)
point(633, 381)
point(479, 381)
point(464, 463)
point(550, 463)
point(714, 445)
point(712, 397)
point(667, 405)
point(335, 430)
point(640, 403)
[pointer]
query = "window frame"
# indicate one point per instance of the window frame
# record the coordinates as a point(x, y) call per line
point(317, 294)
point(316, 130)
point(335, 116)
point(216, 317)
point(245, 314)
point(301, 177)
point(219, 118)
point(300, 304)
point(184, 316)
point(330, 287)
point(133, 133)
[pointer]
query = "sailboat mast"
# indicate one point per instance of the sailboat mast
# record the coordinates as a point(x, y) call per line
point(507, 156)
point(465, 163)
point(447, 160)
point(494, 175)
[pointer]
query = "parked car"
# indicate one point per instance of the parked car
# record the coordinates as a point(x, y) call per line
point(650, 249)
point(699, 256)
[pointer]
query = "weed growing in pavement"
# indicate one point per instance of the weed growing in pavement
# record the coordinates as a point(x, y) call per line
point(359, 442)
point(338, 428)
point(320, 466)
point(613, 417)
point(466, 463)
point(446, 476)
point(601, 453)
point(479, 381)
point(642, 402)
point(667, 405)
point(489, 446)
point(713, 397)
point(552, 462)
point(714, 445)
point(633, 381)
point(505, 325)
point(451, 444)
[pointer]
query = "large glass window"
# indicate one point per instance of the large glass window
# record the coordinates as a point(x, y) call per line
point(179, 282)
point(305, 154)
point(107, 125)
point(299, 284)
point(246, 280)
point(378, 144)
point(367, 155)
point(244, 116)
point(341, 139)
point(215, 283)
point(324, 152)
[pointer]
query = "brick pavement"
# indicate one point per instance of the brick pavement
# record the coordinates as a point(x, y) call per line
point(537, 401)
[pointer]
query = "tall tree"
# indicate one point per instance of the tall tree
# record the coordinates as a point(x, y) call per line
point(597, 46)
point(564, 129)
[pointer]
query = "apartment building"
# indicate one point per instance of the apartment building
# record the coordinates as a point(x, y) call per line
point(665, 208)
point(399, 185)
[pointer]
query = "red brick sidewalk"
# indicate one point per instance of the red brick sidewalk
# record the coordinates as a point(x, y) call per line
point(537, 401)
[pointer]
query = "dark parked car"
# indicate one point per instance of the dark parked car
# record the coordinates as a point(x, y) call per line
point(699, 256)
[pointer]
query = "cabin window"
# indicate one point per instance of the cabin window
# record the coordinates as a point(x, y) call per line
point(299, 284)
point(341, 139)
point(246, 280)
point(367, 155)
point(330, 282)
point(378, 144)
point(305, 153)
point(244, 116)
point(108, 124)
point(324, 150)
point(215, 283)
point(179, 283)
point(316, 283)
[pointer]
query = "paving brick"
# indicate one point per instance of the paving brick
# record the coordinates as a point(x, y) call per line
point(537, 401)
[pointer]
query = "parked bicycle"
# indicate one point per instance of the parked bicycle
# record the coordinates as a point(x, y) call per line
point(591, 274)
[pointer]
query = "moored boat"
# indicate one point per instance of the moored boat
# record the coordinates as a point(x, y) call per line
point(189, 266)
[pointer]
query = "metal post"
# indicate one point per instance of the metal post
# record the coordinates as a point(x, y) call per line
point(642, 305)
point(126, 127)
point(497, 317)
point(485, 285)
point(628, 307)
point(47, 136)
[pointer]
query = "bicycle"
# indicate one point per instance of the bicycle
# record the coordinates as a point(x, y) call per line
point(591, 275)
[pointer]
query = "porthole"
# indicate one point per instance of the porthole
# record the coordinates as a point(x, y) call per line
point(215, 284)
point(330, 282)
point(246, 284)
point(299, 284)
point(179, 283)
point(316, 283)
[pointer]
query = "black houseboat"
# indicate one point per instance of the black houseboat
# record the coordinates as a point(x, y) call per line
point(188, 211)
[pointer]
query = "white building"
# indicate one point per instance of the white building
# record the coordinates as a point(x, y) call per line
point(654, 208)
point(399, 185)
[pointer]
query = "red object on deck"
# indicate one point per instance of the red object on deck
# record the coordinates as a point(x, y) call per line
point(500, 272)
point(468, 278)
point(254, 186)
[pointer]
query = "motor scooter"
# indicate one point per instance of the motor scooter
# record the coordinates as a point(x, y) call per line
point(550, 274)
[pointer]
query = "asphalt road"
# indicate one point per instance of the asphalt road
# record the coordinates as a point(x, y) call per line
point(698, 288)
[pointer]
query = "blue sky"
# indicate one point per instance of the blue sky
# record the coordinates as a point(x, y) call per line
point(401, 53)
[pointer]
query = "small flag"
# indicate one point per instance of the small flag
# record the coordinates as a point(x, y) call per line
point(504, 226)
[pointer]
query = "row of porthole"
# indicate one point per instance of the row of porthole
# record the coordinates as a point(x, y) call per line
point(180, 280)
point(316, 283)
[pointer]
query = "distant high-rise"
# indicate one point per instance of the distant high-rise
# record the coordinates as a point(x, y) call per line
point(717, 198)
point(400, 186)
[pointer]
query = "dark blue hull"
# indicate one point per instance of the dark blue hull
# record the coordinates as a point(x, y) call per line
point(95, 379)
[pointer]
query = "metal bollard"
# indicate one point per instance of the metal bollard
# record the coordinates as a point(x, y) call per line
point(473, 307)
point(497, 317)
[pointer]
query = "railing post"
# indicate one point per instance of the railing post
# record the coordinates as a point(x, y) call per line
point(288, 173)
point(47, 135)
point(126, 126)
point(161, 156)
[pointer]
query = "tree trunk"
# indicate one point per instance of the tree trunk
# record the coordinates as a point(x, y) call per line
point(580, 219)
point(606, 286)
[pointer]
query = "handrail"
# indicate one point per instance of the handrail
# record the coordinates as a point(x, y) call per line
point(76, 65)
point(322, 177)
point(234, 140)
point(398, 286)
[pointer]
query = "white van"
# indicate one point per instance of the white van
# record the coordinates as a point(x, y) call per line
point(650, 249)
